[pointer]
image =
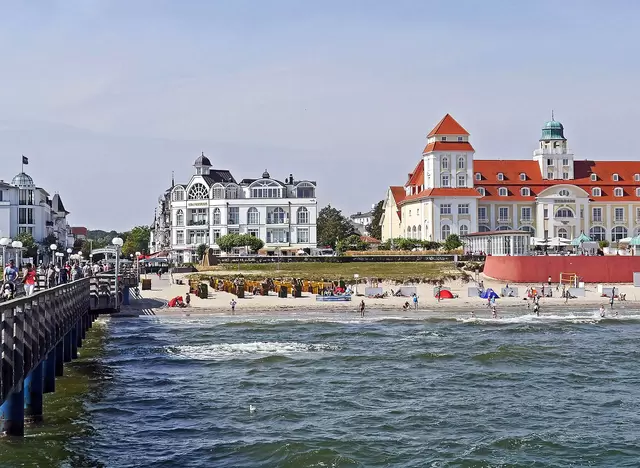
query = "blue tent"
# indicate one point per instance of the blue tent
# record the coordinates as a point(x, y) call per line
point(489, 294)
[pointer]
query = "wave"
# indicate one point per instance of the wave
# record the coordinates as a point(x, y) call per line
point(433, 356)
point(542, 319)
point(255, 349)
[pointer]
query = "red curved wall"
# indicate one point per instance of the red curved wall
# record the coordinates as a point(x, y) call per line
point(608, 269)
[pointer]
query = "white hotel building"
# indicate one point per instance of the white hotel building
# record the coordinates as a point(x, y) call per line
point(213, 204)
point(550, 195)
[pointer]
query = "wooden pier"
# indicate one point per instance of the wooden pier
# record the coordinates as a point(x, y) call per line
point(39, 333)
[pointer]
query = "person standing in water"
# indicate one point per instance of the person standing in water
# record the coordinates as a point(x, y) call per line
point(494, 312)
point(361, 308)
point(601, 311)
point(233, 305)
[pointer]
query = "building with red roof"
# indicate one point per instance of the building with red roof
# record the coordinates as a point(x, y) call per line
point(550, 195)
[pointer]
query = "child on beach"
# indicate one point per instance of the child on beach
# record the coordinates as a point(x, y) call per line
point(187, 299)
point(233, 305)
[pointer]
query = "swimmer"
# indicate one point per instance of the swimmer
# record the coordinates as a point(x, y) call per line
point(601, 311)
point(473, 314)
point(536, 309)
point(494, 313)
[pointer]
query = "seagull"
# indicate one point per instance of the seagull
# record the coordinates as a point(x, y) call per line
point(252, 408)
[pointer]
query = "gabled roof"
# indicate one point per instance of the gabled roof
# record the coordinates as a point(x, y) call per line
point(443, 192)
point(417, 176)
point(57, 205)
point(448, 126)
point(218, 175)
point(398, 193)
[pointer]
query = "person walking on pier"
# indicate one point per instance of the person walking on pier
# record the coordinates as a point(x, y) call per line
point(51, 276)
point(29, 279)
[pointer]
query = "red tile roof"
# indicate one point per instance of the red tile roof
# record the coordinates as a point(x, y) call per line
point(443, 192)
point(79, 231)
point(448, 146)
point(369, 240)
point(398, 193)
point(417, 176)
point(448, 126)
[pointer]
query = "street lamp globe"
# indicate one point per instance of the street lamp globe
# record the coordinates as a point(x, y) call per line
point(16, 244)
point(69, 250)
point(117, 241)
point(5, 241)
point(138, 254)
point(53, 247)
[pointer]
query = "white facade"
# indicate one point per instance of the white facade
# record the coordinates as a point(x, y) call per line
point(213, 204)
point(27, 208)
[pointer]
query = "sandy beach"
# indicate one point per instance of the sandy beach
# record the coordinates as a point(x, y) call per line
point(218, 303)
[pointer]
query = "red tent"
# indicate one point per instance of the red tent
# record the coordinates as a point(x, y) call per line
point(173, 302)
point(445, 294)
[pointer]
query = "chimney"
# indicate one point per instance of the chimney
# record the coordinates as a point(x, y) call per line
point(291, 179)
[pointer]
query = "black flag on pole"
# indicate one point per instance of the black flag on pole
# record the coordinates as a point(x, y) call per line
point(25, 160)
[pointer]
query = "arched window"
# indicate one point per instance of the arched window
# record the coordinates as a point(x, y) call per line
point(564, 193)
point(420, 232)
point(445, 231)
point(598, 233)
point(218, 191)
point(564, 213)
point(596, 192)
point(408, 235)
point(464, 230)
point(266, 189)
point(303, 215)
point(618, 232)
point(277, 216)
point(178, 195)
point(636, 177)
point(481, 191)
point(503, 192)
point(180, 218)
point(461, 162)
point(217, 218)
point(445, 163)
point(198, 192)
point(231, 192)
point(504, 228)
point(253, 216)
point(414, 231)
point(528, 229)
point(484, 228)
point(305, 190)
point(523, 176)
point(478, 176)
point(563, 233)
point(500, 176)
point(638, 192)
point(616, 177)
point(525, 191)
point(618, 192)
point(594, 177)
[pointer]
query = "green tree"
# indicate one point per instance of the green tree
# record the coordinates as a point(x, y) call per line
point(252, 242)
point(375, 228)
point(452, 242)
point(136, 240)
point(201, 250)
point(228, 242)
point(353, 242)
point(29, 244)
point(332, 226)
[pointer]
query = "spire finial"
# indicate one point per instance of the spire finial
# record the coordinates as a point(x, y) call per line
point(173, 181)
point(203, 153)
point(552, 115)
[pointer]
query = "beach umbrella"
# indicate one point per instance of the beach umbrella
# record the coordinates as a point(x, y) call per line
point(635, 240)
point(580, 239)
point(625, 240)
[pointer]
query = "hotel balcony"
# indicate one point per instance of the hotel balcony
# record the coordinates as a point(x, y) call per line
point(277, 220)
point(597, 221)
point(197, 222)
point(526, 220)
point(545, 151)
point(620, 220)
point(504, 219)
point(483, 220)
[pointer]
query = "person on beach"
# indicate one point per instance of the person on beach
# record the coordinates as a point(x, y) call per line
point(406, 306)
point(494, 312)
point(233, 305)
point(187, 299)
point(473, 314)
point(415, 301)
point(549, 280)
point(361, 308)
point(536, 309)
point(601, 311)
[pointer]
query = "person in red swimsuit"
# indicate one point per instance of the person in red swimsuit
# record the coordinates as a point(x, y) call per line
point(29, 279)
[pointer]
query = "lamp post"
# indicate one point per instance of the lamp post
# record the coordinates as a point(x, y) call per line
point(356, 276)
point(17, 245)
point(117, 243)
point(60, 255)
point(138, 265)
point(4, 242)
point(69, 252)
point(53, 248)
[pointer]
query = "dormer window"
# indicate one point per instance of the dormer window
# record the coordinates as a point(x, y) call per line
point(596, 192)
point(460, 138)
point(443, 139)
point(523, 176)
point(503, 192)
point(500, 176)
point(618, 192)
point(594, 177)
point(636, 177)
point(478, 176)
point(525, 191)
point(616, 177)
point(563, 193)
point(481, 191)
point(638, 192)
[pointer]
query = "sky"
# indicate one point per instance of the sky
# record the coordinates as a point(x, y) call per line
point(108, 97)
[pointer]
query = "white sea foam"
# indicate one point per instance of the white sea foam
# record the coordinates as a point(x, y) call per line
point(258, 348)
point(534, 319)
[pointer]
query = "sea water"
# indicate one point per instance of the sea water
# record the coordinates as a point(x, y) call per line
point(334, 390)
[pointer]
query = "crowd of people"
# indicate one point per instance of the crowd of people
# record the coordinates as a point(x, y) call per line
point(52, 274)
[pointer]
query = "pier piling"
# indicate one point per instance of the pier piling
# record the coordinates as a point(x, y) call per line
point(50, 368)
point(33, 384)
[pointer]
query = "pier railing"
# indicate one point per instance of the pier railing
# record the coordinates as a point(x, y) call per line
point(33, 325)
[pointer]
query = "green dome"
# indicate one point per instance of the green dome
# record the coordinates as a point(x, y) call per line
point(552, 130)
